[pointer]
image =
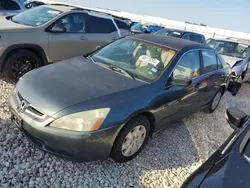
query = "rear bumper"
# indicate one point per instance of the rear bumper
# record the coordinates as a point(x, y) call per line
point(71, 145)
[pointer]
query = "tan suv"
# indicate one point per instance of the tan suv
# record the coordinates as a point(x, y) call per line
point(51, 33)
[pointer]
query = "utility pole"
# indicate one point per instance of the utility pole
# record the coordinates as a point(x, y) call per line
point(90, 3)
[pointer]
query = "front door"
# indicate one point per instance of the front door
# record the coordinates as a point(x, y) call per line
point(79, 33)
point(66, 37)
point(183, 100)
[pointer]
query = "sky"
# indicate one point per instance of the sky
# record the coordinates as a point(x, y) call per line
point(225, 14)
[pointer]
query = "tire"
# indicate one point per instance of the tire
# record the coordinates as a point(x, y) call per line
point(140, 123)
point(243, 75)
point(20, 62)
point(234, 91)
point(212, 107)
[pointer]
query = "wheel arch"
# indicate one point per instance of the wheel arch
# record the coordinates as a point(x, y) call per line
point(149, 115)
point(32, 47)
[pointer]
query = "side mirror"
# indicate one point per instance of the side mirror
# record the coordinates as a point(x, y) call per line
point(181, 80)
point(236, 118)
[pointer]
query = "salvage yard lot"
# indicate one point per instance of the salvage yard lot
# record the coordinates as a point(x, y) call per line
point(168, 159)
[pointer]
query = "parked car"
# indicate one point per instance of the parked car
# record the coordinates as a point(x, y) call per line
point(10, 7)
point(196, 37)
point(229, 165)
point(51, 33)
point(13, 7)
point(110, 102)
point(235, 52)
point(138, 28)
point(153, 28)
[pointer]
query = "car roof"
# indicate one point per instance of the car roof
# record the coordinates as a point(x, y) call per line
point(62, 8)
point(241, 41)
point(181, 31)
point(168, 41)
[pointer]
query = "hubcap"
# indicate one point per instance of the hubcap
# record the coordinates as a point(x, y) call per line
point(23, 65)
point(216, 100)
point(133, 141)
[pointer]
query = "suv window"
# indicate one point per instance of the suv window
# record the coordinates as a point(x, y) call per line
point(189, 65)
point(72, 23)
point(9, 5)
point(122, 25)
point(209, 61)
point(100, 25)
point(195, 38)
point(186, 36)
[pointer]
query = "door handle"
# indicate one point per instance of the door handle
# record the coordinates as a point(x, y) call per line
point(114, 38)
point(82, 38)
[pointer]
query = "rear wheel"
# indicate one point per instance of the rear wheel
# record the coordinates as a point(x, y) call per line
point(215, 101)
point(19, 63)
point(131, 139)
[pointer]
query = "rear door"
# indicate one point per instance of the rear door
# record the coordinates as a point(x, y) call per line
point(212, 78)
point(100, 30)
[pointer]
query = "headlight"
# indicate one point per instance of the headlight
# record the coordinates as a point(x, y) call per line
point(82, 121)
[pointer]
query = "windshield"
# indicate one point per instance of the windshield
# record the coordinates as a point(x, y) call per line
point(168, 33)
point(36, 16)
point(229, 48)
point(142, 60)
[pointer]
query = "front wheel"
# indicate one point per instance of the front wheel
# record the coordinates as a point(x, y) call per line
point(215, 101)
point(131, 139)
point(20, 62)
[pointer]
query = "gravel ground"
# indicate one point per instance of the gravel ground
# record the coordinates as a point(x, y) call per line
point(168, 159)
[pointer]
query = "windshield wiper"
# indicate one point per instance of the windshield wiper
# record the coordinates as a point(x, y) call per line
point(113, 68)
point(121, 71)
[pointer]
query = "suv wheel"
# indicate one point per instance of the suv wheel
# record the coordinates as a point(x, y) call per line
point(215, 102)
point(20, 62)
point(131, 139)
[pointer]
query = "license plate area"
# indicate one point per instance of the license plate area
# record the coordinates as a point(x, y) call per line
point(16, 120)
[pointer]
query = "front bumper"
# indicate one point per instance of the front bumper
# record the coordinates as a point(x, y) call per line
point(80, 146)
point(72, 145)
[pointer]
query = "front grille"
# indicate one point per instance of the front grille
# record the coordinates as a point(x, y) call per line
point(19, 96)
point(30, 110)
point(35, 111)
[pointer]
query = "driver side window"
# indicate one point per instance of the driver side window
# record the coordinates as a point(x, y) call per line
point(72, 23)
point(189, 65)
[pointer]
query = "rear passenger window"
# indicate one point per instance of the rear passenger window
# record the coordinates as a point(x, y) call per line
point(209, 61)
point(195, 38)
point(100, 25)
point(121, 24)
point(186, 36)
point(189, 65)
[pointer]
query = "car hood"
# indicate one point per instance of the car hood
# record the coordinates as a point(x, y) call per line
point(60, 85)
point(7, 26)
point(231, 60)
